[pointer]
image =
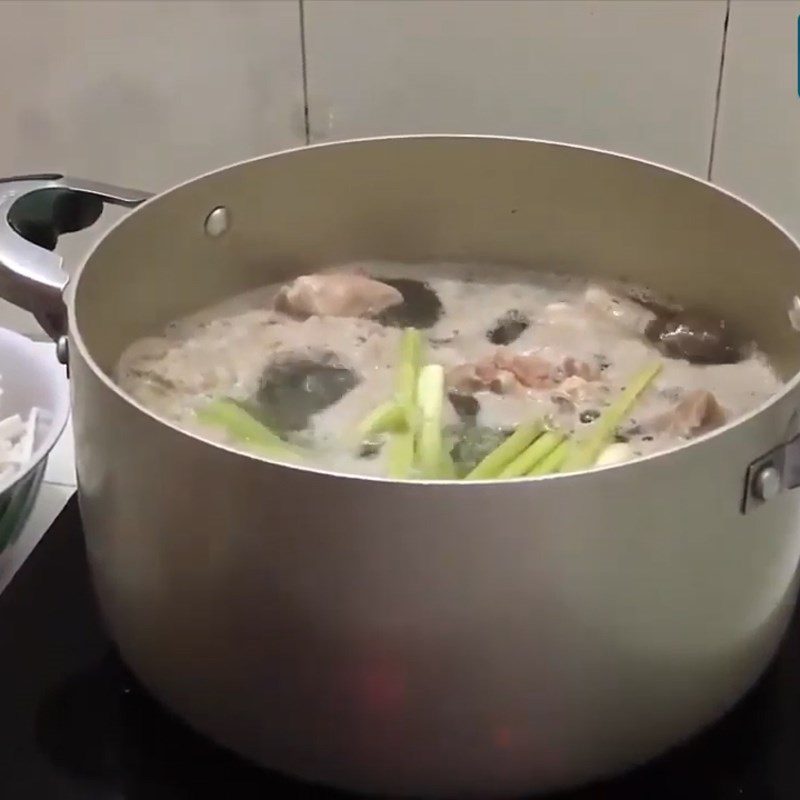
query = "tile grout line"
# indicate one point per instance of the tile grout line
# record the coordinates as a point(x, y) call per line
point(718, 96)
point(304, 64)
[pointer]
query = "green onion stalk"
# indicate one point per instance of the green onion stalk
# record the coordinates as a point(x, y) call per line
point(408, 375)
point(388, 416)
point(399, 417)
point(552, 462)
point(506, 452)
point(585, 453)
point(401, 454)
point(430, 399)
point(532, 455)
point(245, 429)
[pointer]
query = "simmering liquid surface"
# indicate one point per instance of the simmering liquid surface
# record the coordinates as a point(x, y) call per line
point(515, 346)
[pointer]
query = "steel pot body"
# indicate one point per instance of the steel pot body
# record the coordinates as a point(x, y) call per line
point(435, 639)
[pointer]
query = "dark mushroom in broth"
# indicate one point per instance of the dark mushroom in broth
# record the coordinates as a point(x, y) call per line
point(293, 389)
point(420, 307)
point(696, 337)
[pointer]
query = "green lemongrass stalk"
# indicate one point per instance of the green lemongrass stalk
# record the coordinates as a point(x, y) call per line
point(430, 398)
point(393, 415)
point(401, 455)
point(408, 374)
point(601, 434)
point(532, 455)
point(244, 428)
point(493, 464)
point(552, 463)
point(388, 416)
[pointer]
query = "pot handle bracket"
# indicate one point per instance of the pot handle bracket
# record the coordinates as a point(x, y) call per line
point(773, 473)
point(34, 211)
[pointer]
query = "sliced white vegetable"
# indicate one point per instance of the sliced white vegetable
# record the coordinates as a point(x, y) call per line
point(17, 440)
point(12, 427)
point(27, 438)
point(616, 453)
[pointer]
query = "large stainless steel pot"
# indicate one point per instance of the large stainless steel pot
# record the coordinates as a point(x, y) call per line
point(425, 638)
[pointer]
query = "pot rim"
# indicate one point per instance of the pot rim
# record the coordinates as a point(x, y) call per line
point(78, 341)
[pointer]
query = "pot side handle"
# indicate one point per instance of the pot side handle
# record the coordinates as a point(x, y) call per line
point(34, 211)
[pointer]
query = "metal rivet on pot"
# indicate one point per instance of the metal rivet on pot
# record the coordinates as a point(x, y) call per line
point(767, 483)
point(62, 350)
point(217, 222)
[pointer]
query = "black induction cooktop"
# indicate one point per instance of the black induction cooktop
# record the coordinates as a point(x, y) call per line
point(74, 723)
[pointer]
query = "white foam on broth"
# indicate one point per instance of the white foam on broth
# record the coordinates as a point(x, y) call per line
point(223, 351)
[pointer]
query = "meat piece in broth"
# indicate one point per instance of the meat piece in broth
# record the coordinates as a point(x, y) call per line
point(582, 383)
point(465, 380)
point(572, 367)
point(698, 412)
point(504, 382)
point(503, 372)
point(575, 391)
point(337, 295)
point(532, 371)
point(483, 375)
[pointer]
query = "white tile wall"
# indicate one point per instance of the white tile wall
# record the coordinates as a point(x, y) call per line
point(148, 92)
point(145, 93)
point(757, 151)
point(639, 77)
